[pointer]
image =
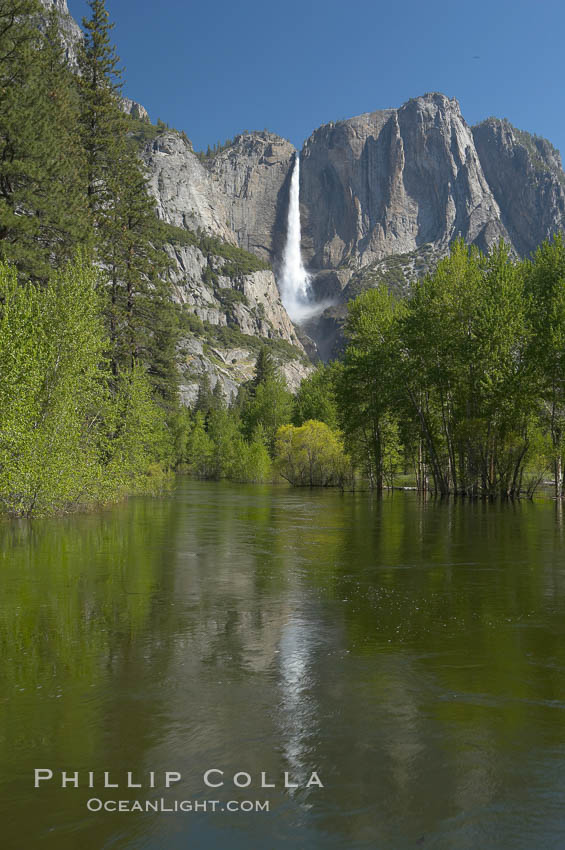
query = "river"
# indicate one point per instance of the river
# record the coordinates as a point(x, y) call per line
point(408, 654)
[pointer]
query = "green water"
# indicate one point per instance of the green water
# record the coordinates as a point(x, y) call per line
point(413, 654)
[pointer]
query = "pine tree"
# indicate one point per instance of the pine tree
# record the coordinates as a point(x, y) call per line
point(16, 47)
point(159, 347)
point(66, 222)
point(142, 321)
point(102, 122)
point(218, 396)
point(265, 368)
point(42, 216)
point(204, 401)
point(103, 131)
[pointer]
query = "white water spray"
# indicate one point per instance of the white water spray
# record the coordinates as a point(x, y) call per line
point(295, 280)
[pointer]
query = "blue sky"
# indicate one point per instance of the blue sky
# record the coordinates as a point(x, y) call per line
point(215, 68)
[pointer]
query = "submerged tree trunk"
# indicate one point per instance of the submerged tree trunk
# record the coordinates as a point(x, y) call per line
point(558, 476)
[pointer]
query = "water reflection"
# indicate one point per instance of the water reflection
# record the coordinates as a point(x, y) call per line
point(298, 724)
point(410, 652)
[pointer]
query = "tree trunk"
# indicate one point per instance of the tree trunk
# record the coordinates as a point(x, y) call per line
point(558, 476)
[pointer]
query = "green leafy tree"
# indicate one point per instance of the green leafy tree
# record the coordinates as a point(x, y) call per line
point(316, 396)
point(468, 378)
point(52, 398)
point(71, 433)
point(269, 408)
point(452, 376)
point(545, 287)
point(311, 455)
point(200, 449)
point(257, 466)
point(141, 446)
point(222, 428)
point(367, 388)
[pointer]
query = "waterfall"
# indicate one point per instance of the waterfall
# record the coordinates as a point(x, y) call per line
point(294, 280)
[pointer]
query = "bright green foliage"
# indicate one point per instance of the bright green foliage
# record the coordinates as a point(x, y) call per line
point(51, 396)
point(316, 396)
point(463, 381)
point(224, 432)
point(269, 408)
point(68, 436)
point(252, 461)
point(311, 455)
point(70, 176)
point(468, 381)
point(179, 424)
point(237, 442)
point(216, 448)
point(545, 288)
point(200, 449)
point(140, 443)
point(368, 384)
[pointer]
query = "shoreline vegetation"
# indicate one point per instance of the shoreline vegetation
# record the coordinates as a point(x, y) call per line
point(464, 381)
point(458, 389)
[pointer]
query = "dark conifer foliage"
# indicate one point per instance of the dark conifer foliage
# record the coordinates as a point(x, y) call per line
point(43, 213)
point(142, 323)
point(204, 401)
point(264, 368)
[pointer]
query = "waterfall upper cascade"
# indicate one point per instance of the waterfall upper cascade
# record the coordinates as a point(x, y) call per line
point(294, 280)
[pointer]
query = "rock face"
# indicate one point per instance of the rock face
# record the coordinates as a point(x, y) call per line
point(187, 194)
point(250, 302)
point(382, 197)
point(136, 110)
point(230, 366)
point(253, 175)
point(384, 194)
point(526, 178)
point(71, 33)
point(71, 36)
point(226, 315)
point(386, 182)
point(230, 199)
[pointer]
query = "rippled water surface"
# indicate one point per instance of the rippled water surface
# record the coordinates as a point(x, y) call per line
point(413, 654)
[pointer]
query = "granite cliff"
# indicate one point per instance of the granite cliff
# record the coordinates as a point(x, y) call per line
point(385, 193)
point(388, 181)
point(527, 180)
point(71, 36)
point(252, 175)
point(232, 306)
point(392, 183)
point(382, 197)
point(71, 33)
point(229, 308)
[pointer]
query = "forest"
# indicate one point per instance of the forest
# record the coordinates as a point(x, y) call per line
point(456, 390)
point(463, 382)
